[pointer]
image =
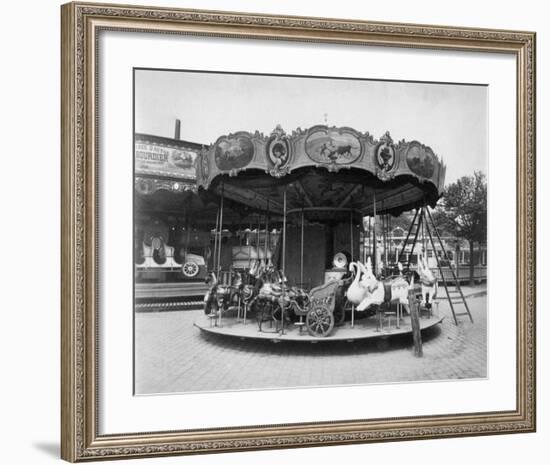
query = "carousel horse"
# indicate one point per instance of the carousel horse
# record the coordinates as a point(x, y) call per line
point(266, 286)
point(275, 295)
point(391, 290)
point(268, 292)
point(223, 296)
point(428, 282)
point(211, 296)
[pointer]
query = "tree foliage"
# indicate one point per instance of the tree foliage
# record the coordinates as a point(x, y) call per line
point(463, 208)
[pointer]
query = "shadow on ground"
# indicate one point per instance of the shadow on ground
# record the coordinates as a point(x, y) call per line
point(49, 448)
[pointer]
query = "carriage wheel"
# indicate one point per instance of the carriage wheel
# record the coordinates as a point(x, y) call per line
point(319, 321)
point(190, 269)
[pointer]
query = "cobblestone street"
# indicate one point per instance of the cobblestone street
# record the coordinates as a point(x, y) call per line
point(174, 356)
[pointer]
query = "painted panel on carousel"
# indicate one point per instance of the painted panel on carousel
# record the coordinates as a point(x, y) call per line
point(421, 160)
point(278, 153)
point(332, 146)
point(233, 152)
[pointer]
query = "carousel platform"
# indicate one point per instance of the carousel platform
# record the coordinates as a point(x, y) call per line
point(365, 328)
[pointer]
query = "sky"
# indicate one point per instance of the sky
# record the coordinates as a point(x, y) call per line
point(450, 118)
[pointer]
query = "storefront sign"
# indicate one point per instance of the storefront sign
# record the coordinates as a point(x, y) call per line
point(163, 160)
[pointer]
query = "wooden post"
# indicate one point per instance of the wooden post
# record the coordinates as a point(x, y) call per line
point(415, 323)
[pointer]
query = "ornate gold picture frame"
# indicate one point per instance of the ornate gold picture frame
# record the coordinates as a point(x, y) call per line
point(81, 25)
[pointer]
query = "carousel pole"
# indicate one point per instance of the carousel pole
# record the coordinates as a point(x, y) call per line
point(363, 239)
point(220, 233)
point(351, 233)
point(249, 249)
point(368, 245)
point(258, 242)
point(302, 252)
point(351, 248)
point(374, 240)
point(424, 245)
point(188, 235)
point(240, 301)
point(266, 233)
point(220, 311)
point(248, 246)
point(283, 266)
point(389, 235)
point(215, 254)
point(375, 253)
point(384, 240)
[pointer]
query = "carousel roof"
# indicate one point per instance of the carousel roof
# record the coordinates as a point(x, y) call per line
point(324, 170)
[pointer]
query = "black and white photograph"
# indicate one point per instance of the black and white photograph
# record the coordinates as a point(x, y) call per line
point(241, 233)
point(307, 231)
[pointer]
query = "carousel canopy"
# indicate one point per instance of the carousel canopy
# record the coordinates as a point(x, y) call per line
point(326, 171)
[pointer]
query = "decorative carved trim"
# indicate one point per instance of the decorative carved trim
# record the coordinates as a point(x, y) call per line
point(279, 161)
point(80, 442)
point(301, 440)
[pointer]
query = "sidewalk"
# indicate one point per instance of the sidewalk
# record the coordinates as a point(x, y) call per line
point(174, 356)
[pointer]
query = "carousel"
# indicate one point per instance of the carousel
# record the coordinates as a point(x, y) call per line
point(293, 257)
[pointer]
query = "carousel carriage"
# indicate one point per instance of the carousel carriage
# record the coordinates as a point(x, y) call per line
point(316, 200)
point(319, 310)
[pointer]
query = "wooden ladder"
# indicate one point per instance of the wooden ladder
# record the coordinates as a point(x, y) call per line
point(452, 296)
point(456, 296)
point(414, 229)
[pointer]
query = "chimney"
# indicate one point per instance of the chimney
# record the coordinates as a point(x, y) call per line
point(177, 130)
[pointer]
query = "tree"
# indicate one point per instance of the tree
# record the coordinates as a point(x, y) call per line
point(464, 211)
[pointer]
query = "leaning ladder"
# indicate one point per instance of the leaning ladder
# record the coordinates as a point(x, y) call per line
point(456, 300)
point(420, 220)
